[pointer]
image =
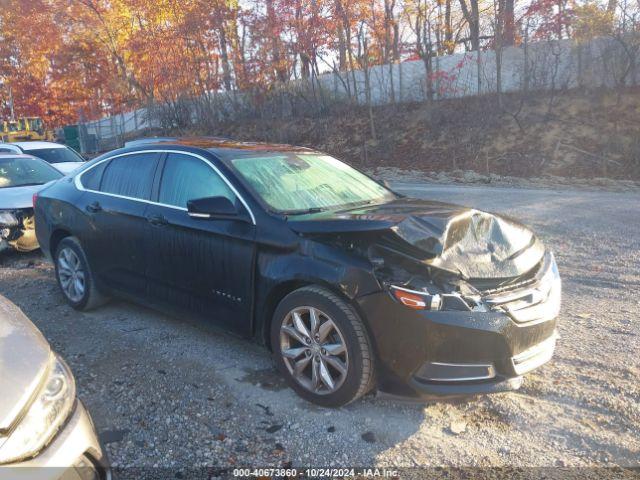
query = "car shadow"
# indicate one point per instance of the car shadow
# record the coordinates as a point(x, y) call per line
point(363, 429)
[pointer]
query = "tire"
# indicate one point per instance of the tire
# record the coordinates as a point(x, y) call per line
point(70, 258)
point(348, 359)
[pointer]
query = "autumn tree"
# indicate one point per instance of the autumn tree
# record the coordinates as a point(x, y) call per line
point(94, 57)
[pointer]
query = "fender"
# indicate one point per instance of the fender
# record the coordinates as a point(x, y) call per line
point(278, 273)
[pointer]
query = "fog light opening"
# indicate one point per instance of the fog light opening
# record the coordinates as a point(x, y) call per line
point(456, 372)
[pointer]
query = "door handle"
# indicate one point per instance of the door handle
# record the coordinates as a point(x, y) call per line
point(157, 220)
point(94, 207)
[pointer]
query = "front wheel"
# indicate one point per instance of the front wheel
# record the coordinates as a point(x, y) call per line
point(321, 347)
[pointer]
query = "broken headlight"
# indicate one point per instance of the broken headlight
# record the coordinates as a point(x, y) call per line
point(8, 219)
point(47, 413)
point(424, 300)
point(415, 299)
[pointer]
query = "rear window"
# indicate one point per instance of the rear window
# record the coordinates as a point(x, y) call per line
point(129, 176)
point(56, 155)
point(91, 179)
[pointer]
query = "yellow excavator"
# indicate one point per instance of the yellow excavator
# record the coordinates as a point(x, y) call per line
point(24, 129)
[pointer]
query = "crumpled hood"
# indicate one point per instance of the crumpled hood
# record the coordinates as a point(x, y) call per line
point(469, 242)
point(24, 359)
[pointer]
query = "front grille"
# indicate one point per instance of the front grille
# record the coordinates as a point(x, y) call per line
point(536, 298)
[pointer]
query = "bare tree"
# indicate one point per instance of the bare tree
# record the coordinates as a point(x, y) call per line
point(363, 47)
point(472, 16)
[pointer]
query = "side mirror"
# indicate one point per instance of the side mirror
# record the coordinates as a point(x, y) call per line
point(212, 207)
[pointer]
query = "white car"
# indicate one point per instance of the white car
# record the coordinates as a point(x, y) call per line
point(60, 156)
point(21, 176)
point(42, 422)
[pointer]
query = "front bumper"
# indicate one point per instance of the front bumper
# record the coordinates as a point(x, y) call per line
point(439, 354)
point(74, 454)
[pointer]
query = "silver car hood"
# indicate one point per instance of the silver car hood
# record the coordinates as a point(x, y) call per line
point(18, 197)
point(24, 359)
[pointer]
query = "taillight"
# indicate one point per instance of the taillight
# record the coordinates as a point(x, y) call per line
point(33, 199)
point(416, 300)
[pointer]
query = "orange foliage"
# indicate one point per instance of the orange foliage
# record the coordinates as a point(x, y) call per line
point(65, 59)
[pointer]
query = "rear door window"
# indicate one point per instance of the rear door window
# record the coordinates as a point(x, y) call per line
point(91, 178)
point(187, 178)
point(130, 175)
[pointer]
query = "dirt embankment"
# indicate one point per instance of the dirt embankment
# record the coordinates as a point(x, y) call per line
point(568, 134)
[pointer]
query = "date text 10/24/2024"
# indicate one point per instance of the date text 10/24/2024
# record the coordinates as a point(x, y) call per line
point(315, 472)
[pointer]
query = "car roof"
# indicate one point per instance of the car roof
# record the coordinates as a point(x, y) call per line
point(222, 147)
point(147, 140)
point(9, 145)
point(16, 155)
point(37, 145)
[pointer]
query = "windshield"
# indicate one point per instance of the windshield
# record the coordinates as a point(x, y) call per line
point(56, 155)
point(299, 183)
point(20, 172)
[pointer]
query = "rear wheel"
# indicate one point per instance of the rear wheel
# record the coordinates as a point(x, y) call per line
point(74, 276)
point(321, 347)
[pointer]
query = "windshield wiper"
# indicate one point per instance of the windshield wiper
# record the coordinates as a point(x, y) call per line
point(354, 205)
point(342, 208)
point(304, 211)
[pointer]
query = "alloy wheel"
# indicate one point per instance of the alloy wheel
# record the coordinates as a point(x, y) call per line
point(314, 350)
point(71, 274)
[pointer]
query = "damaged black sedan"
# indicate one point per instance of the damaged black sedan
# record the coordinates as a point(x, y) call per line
point(351, 285)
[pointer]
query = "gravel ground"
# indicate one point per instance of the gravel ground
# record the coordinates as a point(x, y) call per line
point(177, 393)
